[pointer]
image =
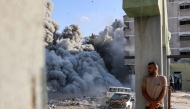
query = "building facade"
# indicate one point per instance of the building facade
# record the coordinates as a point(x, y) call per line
point(178, 24)
point(129, 36)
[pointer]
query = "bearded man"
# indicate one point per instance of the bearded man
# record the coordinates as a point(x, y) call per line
point(154, 88)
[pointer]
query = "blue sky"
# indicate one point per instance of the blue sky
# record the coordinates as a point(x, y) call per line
point(91, 15)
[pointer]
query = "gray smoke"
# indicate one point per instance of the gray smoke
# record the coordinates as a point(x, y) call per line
point(74, 67)
point(72, 32)
point(113, 36)
point(50, 26)
point(108, 33)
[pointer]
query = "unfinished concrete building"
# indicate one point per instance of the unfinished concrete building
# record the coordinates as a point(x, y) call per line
point(179, 26)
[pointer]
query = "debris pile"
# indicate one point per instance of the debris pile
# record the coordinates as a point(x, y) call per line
point(92, 102)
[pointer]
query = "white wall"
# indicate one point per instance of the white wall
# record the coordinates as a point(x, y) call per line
point(21, 54)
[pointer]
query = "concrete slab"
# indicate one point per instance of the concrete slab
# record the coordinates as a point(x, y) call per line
point(133, 8)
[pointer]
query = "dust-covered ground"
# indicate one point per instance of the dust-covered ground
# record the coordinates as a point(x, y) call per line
point(179, 100)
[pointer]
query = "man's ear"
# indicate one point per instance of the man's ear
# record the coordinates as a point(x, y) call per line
point(156, 67)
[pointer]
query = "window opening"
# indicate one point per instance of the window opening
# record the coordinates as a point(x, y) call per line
point(186, 6)
point(184, 38)
point(185, 22)
point(127, 25)
point(184, 53)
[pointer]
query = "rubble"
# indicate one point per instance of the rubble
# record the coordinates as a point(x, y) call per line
point(91, 102)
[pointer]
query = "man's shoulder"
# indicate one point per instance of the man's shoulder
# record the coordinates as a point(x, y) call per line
point(162, 76)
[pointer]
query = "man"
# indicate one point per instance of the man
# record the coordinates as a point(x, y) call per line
point(154, 88)
point(172, 83)
point(178, 83)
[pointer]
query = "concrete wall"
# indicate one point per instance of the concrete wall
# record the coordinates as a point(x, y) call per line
point(184, 43)
point(174, 41)
point(129, 34)
point(126, 18)
point(131, 27)
point(175, 14)
point(175, 52)
point(21, 54)
point(174, 44)
point(173, 25)
point(185, 70)
point(185, 12)
point(148, 37)
point(184, 28)
point(173, 9)
point(130, 31)
point(149, 7)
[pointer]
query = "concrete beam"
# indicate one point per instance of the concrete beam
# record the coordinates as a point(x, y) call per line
point(168, 56)
point(178, 56)
point(133, 8)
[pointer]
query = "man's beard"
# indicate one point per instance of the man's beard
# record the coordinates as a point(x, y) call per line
point(151, 73)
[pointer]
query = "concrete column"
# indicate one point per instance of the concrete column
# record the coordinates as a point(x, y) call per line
point(148, 47)
point(21, 54)
point(165, 73)
point(168, 70)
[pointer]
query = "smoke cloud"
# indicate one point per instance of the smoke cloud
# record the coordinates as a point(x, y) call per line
point(50, 26)
point(112, 48)
point(74, 67)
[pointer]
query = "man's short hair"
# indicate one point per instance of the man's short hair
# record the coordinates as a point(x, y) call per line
point(153, 63)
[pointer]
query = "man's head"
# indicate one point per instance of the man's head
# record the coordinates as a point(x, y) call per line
point(152, 69)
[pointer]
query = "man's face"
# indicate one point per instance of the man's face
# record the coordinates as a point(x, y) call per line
point(151, 69)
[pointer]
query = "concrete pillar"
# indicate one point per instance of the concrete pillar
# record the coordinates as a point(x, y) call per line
point(165, 72)
point(168, 70)
point(151, 39)
point(148, 48)
point(168, 74)
point(21, 54)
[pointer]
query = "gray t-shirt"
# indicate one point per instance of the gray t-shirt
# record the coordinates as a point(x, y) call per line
point(154, 87)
